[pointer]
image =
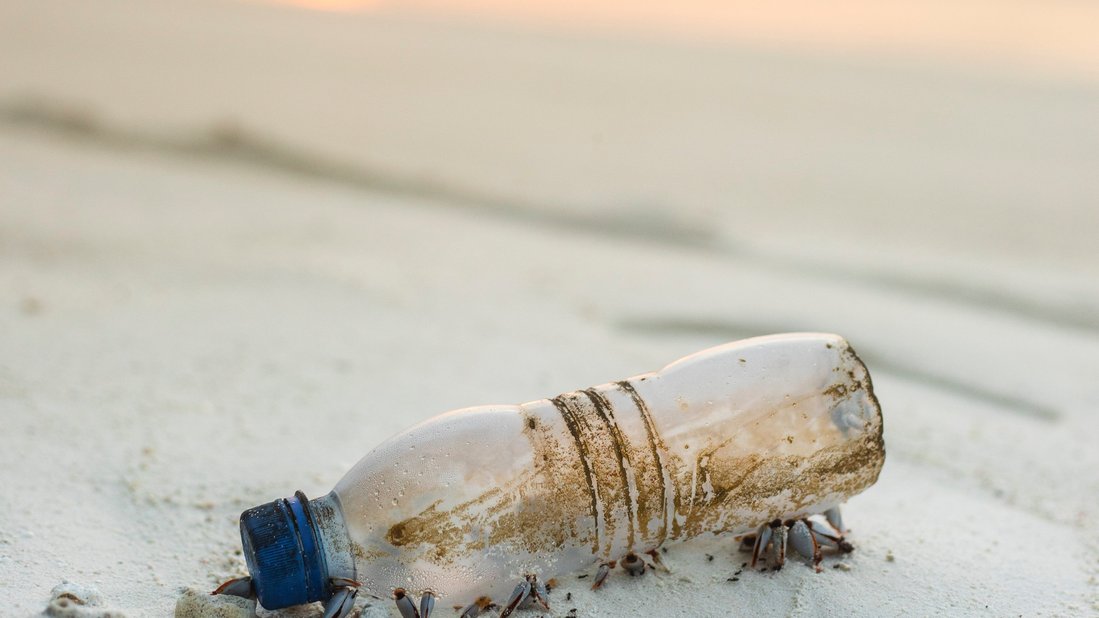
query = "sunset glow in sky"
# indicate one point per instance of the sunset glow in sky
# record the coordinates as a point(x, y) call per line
point(332, 5)
point(1054, 35)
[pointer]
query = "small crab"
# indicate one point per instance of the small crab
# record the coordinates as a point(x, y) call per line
point(808, 536)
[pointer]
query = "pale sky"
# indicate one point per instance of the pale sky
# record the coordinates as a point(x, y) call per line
point(1056, 37)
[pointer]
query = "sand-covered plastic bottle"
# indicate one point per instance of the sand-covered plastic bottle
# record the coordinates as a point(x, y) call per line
point(470, 502)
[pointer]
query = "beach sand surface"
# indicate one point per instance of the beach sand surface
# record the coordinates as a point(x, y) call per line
point(231, 265)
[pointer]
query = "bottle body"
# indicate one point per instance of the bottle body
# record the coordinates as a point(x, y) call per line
point(467, 503)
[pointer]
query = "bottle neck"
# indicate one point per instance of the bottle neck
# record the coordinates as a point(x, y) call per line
point(331, 531)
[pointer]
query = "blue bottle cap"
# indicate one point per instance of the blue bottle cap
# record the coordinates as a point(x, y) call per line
point(283, 553)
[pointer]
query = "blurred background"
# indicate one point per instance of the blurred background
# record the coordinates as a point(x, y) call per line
point(230, 226)
point(965, 128)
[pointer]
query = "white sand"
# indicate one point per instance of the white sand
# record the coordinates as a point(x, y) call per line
point(187, 330)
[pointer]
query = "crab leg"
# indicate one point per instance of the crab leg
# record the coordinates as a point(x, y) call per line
point(340, 604)
point(778, 544)
point(804, 543)
point(239, 587)
point(601, 574)
point(520, 594)
point(538, 592)
point(763, 539)
point(836, 519)
point(427, 604)
point(826, 535)
point(404, 604)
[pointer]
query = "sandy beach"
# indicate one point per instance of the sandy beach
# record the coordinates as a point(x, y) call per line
point(231, 264)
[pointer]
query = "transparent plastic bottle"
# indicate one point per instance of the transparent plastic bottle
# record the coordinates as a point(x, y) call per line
point(467, 503)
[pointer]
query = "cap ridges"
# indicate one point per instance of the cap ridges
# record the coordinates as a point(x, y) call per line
point(283, 553)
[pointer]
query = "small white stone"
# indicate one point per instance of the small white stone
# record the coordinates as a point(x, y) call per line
point(72, 600)
point(81, 595)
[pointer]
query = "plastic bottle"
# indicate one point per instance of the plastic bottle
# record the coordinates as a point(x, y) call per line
point(467, 503)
